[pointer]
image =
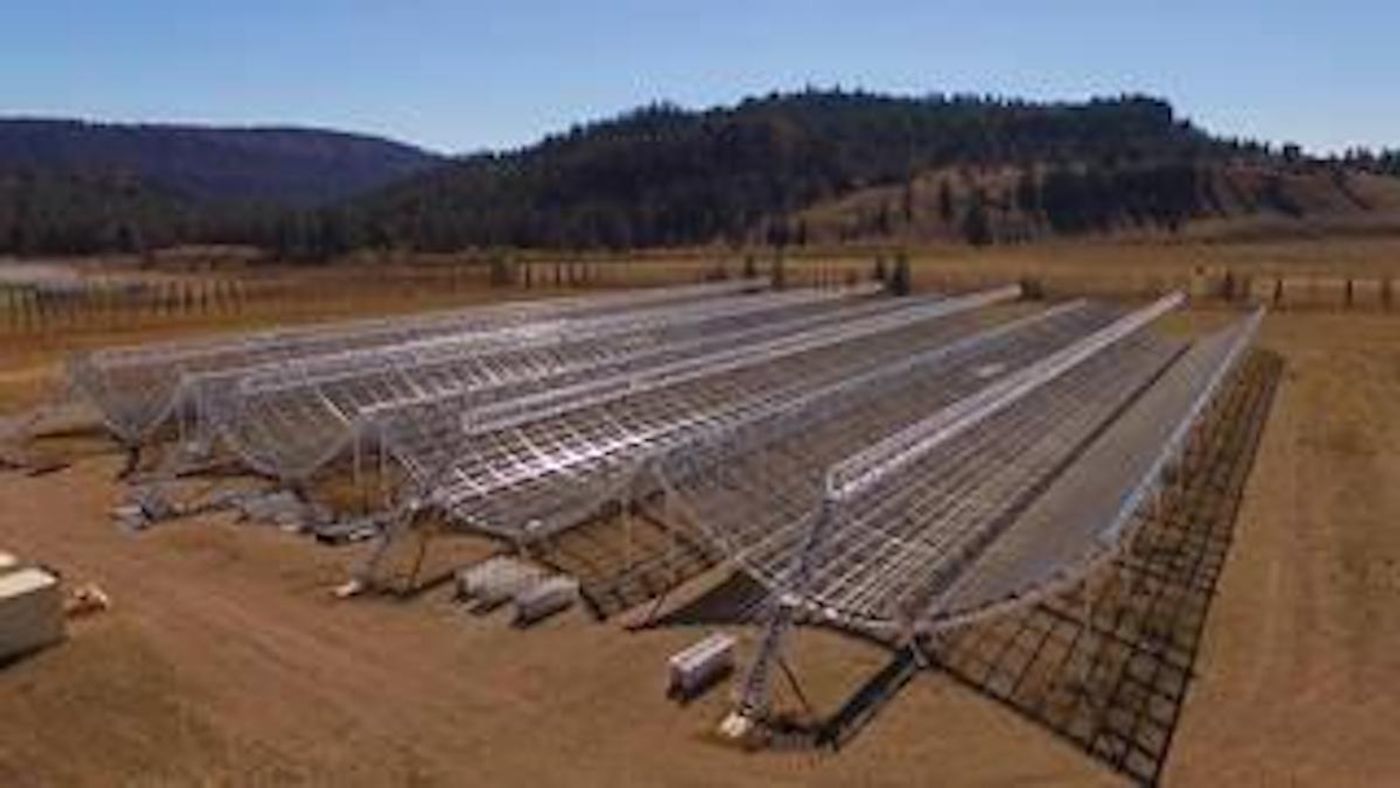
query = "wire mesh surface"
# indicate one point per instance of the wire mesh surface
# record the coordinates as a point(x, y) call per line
point(292, 420)
point(1107, 661)
point(422, 435)
point(528, 468)
point(138, 388)
point(1081, 518)
point(745, 484)
point(896, 463)
point(892, 547)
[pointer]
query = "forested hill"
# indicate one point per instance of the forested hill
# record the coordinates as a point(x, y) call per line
point(68, 187)
point(667, 176)
point(284, 166)
point(810, 167)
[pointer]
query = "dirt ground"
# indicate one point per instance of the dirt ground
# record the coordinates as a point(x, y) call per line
point(225, 660)
point(1297, 679)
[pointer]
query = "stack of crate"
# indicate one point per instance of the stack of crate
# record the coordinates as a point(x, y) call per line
point(537, 594)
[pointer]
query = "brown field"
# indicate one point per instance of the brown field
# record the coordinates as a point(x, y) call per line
point(224, 659)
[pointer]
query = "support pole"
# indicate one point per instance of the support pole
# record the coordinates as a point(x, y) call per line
point(359, 472)
point(363, 576)
point(626, 506)
point(756, 692)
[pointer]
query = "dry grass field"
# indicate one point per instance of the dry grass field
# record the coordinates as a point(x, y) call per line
point(225, 660)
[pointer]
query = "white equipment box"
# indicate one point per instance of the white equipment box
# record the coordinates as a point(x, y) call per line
point(31, 611)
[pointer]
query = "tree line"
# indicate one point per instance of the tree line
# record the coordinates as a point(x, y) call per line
point(665, 176)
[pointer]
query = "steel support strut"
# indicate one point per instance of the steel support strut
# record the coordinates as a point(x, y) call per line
point(756, 691)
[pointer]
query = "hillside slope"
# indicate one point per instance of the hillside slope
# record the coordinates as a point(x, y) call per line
point(812, 167)
point(667, 176)
point(68, 187)
point(297, 167)
point(1019, 203)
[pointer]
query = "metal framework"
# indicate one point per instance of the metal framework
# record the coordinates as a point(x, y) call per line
point(1087, 515)
point(530, 466)
point(290, 421)
point(984, 504)
point(1107, 662)
point(898, 467)
point(138, 389)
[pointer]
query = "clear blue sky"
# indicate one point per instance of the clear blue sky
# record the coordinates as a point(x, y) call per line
point(464, 75)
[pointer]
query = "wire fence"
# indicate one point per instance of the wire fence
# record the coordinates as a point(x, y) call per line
point(122, 303)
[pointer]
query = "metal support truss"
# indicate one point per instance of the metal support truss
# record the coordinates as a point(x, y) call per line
point(138, 388)
point(567, 451)
point(1074, 520)
point(291, 420)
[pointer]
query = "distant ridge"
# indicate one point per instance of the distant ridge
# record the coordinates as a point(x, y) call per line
point(814, 167)
point(284, 166)
point(838, 167)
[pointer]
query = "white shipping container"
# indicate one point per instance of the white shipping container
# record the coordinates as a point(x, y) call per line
point(545, 598)
point(31, 611)
point(700, 665)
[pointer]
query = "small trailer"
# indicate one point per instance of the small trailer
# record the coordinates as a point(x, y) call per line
point(545, 598)
point(495, 581)
point(31, 611)
point(8, 563)
point(700, 666)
